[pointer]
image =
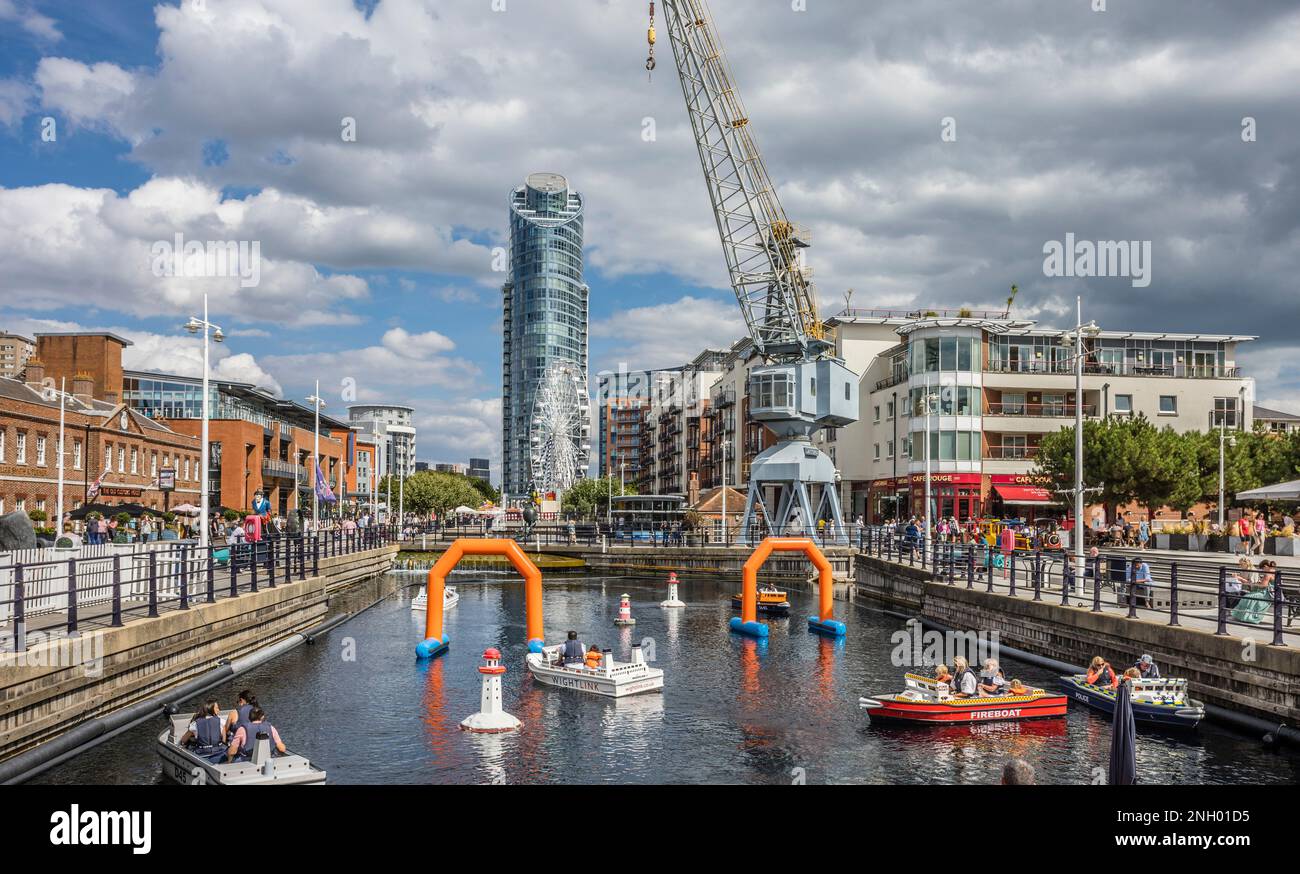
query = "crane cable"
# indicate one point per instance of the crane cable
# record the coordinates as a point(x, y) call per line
point(650, 38)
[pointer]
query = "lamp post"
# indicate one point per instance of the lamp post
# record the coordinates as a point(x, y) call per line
point(1076, 336)
point(194, 325)
point(58, 526)
point(316, 404)
point(724, 489)
point(1229, 441)
point(930, 398)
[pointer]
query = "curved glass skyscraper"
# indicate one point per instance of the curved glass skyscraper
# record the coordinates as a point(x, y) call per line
point(545, 309)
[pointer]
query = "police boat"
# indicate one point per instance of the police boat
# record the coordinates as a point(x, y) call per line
point(771, 601)
point(263, 768)
point(927, 701)
point(1163, 702)
point(610, 678)
point(450, 598)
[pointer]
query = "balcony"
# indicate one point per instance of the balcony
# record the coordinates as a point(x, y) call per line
point(1010, 453)
point(892, 380)
point(276, 469)
point(1038, 411)
point(725, 399)
point(1177, 371)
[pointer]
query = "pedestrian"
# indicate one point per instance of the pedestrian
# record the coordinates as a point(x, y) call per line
point(1144, 534)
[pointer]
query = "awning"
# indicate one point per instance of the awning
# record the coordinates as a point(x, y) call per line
point(1025, 494)
point(1289, 491)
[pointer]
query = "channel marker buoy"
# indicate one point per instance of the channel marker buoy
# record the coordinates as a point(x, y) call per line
point(491, 719)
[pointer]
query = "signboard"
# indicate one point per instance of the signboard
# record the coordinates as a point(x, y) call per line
point(167, 479)
point(119, 492)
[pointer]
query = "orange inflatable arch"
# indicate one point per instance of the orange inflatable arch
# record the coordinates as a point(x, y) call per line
point(436, 641)
point(824, 622)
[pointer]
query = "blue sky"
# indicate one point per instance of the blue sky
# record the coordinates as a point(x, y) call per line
point(221, 120)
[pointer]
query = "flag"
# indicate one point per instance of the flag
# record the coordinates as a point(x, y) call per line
point(98, 483)
point(323, 492)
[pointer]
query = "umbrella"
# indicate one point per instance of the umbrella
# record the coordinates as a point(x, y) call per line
point(135, 510)
point(186, 510)
point(85, 509)
point(1289, 491)
point(1123, 740)
point(462, 510)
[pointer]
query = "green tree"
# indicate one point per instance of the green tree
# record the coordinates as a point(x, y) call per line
point(430, 491)
point(590, 497)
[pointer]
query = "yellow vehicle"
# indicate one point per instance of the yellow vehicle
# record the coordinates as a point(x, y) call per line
point(991, 532)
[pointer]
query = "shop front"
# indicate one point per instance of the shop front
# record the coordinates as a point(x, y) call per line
point(952, 495)
point(1023, 496)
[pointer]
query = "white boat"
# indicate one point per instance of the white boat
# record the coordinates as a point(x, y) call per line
point(450, 598)
point(262, 769)
point(611, 679)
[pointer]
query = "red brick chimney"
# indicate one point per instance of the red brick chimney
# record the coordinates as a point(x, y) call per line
point(83, 387)
point(35, 374)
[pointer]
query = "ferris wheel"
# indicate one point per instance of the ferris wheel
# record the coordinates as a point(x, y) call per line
point(560, 440)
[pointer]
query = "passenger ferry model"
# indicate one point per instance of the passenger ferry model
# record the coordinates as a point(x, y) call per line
point(450, 598)
point(611, 679)
point(1162, 703)
point(924, 700)
point(771, 601)
point(262, 769)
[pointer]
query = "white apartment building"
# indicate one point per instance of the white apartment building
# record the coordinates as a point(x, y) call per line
point(14, 352)
point(393, 425)
point(999, 385)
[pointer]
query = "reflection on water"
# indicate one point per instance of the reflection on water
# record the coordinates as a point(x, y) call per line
point(733, 710)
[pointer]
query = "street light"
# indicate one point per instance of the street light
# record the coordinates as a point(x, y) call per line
point(1230, 441)
point(930, 399)
point(1076, 336)
point(194, 325)
point(317, 403)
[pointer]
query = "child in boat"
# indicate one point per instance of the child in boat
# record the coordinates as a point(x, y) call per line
point(593, 657)
point(941, 674)
point(1018, 688)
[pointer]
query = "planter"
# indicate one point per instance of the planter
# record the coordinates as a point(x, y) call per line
point(1198, 542)
point(1284, 545)
point(1164, 541)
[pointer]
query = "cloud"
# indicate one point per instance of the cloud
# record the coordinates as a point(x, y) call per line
point(44, 28)
point(669, 334)
point(16, 97)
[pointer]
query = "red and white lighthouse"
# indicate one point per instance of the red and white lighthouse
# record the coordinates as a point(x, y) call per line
point(491, 719)
point(672, 592)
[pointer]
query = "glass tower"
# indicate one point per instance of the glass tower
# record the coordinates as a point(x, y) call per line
point(544, 309)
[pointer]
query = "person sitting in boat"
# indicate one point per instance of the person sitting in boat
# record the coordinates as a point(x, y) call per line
point(1100, 673)
point(572, 654)
point(992, 681)
point(593, 657)
point(966, 685)
point(241, 745)
point(207, 733)
point(1146, 668)
point(942, 674)
point(1018, 688)
point(244, 705)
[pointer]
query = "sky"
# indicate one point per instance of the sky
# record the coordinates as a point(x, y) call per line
point(932, 148)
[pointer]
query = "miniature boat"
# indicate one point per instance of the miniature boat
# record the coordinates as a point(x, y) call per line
point(771, 601)
point(611, 679)
point(926, 700)
point(1155, 702)
point(450, 598)
point(262, 769)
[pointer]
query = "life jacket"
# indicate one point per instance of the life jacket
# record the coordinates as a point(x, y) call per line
point(957, 682)
point(593, 659)
point(242, 720)
point(207, 733)
point(573, 652)
point(1096, 678)
point(251, 731)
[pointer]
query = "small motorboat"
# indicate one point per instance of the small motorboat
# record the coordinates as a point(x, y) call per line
point(771, 601)
point(611, 679)
point(1161, 702)
point(925, 700)
point(450, 598)
point(263, 768)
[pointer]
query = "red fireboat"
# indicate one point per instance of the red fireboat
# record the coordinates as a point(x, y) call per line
point(925, 700)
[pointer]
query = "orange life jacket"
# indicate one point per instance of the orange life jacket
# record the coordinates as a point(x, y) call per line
point(1093, 676)
point(593, 659)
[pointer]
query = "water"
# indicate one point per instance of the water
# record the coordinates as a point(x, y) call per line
point(732, 710)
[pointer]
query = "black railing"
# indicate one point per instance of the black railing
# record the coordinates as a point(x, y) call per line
point(1138, 586)
point(103, 586)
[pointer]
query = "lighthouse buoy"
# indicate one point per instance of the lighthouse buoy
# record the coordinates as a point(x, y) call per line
point(625, 610)
point(672, 592)
point(491, 719)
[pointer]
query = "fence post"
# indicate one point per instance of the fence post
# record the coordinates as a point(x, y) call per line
point(1068, 573)
point(315, 556)
point(270, 563)
point(288, 562)
point(153, 583)
point(20, 619)
point(1012, 576)
point(233, 563)
point(252, 566)
point(1223, 600)
point(72, 596)
point(970, 567)
point(1096, 585)
point(1278, 601)
point(117, 591)
point(212, 576)
point(988, 562)
point(1173, 593)
point(1132, 592)
point(185, 578)
point(1038, 576)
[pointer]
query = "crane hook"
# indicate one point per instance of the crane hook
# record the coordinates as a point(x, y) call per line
point(650, 38)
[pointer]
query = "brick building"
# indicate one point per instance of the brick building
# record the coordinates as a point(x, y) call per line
point(99, 436)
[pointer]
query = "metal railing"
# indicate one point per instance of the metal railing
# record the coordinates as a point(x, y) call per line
point(1175, 591)
point(66, 591)
point(1037, 411)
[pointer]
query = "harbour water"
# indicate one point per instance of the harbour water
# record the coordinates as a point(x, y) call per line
point(732, 710)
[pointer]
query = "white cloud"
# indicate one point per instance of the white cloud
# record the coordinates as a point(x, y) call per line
point(44, 28)
point(669, 334)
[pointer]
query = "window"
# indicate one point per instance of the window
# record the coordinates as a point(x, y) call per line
point(877, 413)
point(121, 459)
point(1225, 412)
point(153, 464)
point(2, 444)
point(889, 409)
point(1124, 404)
point(135, 460)
point(20, 448)
point(40, 504)
point(76, 455)
point(848, 391)
point(40, 450)
point(890, 446)
point(187, 469)
point(877, 452)
point(1168, 405)
point(1013, 403)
